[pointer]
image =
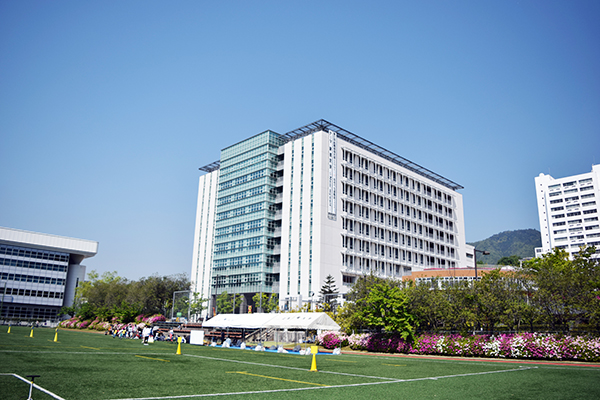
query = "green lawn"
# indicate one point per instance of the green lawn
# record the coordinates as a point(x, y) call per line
point(84, 365)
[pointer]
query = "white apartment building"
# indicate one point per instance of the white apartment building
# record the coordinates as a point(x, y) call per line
point(568, 211)
point(279, 213)
point(39, 272)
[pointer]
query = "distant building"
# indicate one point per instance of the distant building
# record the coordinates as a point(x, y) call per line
point(453, 275)
point(568, 211)
point(39, 272)
point(279, 213)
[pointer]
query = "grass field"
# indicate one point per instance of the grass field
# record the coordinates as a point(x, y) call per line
point(85, 365)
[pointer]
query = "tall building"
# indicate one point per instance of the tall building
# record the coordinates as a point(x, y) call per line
point(279, 213)
point(39, 272)
point(568, 211)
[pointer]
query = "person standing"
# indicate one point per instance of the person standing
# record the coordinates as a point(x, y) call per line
point(146, 334)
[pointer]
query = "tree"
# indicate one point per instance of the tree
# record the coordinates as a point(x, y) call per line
point(269, 303)
point(109, 295)
point(70, 311)
point(108, 290)
point(155, 293)
point(224, 305)
point(429, 304)
point(273, 304)
point(329, 292)
point(491, 298)
point(513, 260)
point(387, 309)
point(462, 306)
point(236, 301)
point(565, 289)
point(348, 315)
point(197, 305)
point(587, 263)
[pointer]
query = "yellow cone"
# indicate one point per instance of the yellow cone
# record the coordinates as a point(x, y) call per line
point(31, 334)
point(314, 351)
point(56, 335)
point(178, 345)
point(8, 329)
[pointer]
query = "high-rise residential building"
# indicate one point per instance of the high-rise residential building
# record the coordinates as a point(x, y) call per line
point(39, 273)
point(278, 213)
point(568, 211)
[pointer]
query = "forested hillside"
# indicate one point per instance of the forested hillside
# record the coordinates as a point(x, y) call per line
point(521, 242)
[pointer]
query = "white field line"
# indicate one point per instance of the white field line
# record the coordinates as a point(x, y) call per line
point(294, 368)
point(326, 387)
point(387, 380)
point(192, 355)
point(38, 387)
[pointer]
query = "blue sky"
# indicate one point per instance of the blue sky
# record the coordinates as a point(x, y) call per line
point(108, 109)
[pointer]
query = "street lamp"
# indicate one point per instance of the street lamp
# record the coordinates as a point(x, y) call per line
point(484, 252)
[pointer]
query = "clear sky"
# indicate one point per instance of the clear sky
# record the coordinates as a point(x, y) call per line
point(108, 108)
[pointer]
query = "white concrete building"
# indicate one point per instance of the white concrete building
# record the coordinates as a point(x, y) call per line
point(568, 211)
point(39, 272)
point(282, 212)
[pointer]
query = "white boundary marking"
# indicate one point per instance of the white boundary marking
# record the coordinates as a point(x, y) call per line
point(327, 387)
point(35, 385)
point(281, 366)
point(204, 357)
point(386, 380)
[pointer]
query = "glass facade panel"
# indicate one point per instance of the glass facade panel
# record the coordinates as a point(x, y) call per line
point(243, 258)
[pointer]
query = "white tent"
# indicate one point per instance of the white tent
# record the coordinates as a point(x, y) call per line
point(247, 321)
point(303, 321)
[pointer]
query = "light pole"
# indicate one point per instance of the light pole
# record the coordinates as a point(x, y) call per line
point(484, 252)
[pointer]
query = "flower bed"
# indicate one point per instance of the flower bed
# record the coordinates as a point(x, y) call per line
point(523, 345)
point(96, 324)
point(331, 339)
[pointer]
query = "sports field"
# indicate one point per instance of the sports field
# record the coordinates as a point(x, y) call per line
point(84, 365)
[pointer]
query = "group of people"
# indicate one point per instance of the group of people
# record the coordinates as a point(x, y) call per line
point(146, 333)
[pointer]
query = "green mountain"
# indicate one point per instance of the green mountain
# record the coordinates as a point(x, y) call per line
point(521, 242)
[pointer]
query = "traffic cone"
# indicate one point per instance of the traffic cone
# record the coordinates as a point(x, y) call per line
point(8, 329)
point(31, 334)
point(315, 350)
point(178, 345)
point(56, 335)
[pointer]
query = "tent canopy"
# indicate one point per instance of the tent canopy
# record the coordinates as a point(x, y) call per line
point(302, 321)
point(248, 321)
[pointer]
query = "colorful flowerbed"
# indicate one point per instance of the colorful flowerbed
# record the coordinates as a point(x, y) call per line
point(96, 324)
point(523, 345)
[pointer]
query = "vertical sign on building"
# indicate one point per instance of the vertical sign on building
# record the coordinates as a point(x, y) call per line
point(332, 183)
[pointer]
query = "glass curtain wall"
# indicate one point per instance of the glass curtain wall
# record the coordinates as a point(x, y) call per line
point(246, 256)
